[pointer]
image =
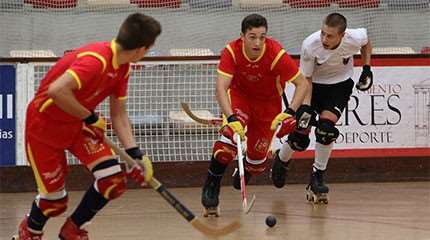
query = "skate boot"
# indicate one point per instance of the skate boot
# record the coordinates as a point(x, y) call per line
point(69, 231)
point(24, 233)
point(317, 191)
point(236, 178)
point(279, 171)
point(210, 195)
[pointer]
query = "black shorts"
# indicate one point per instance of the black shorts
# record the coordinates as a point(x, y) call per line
point(331, 97)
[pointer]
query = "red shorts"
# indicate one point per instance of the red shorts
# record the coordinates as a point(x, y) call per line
point(259, 119)
point(46, 141)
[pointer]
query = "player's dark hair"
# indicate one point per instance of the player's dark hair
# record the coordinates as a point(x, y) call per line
point(336, 20)
point(253, 21)
point(138, 30)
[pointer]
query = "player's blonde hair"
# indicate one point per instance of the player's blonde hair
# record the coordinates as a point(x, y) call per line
point(336, 20)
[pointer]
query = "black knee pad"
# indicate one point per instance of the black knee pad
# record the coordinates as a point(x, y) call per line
point(326, 132)
point(298, 141)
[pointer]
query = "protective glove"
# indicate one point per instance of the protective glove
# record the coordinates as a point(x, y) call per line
point(94, 126)
point(141, 172)
point(366, 79)
point(233, 126)
point(286, 120)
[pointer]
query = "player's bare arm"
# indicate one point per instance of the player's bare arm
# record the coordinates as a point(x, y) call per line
point(121, 123)
point(61, 91)
point(308, 97)
point(222, 86)
point(302, 90)
point(366, 77)
point(366, 52)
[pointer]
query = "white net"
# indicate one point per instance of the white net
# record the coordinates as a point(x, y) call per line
point(203, 27)
point(156, 90)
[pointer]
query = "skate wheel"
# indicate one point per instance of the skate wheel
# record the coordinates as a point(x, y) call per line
point(15, 237)
point(211, 212)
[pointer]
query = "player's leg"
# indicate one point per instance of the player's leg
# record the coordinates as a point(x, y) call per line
point(223, 153)
point(259, 139)
point(110, 183)
point(326, 133)
point(298, 140)
point(331, 108)
point(49, 167)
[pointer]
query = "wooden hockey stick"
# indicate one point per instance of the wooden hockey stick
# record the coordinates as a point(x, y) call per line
point(175, 203)
point(245, 206)
point(212, 121)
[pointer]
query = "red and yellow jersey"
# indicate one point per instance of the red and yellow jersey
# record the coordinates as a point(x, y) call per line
point(96, 72)
point(262, 78)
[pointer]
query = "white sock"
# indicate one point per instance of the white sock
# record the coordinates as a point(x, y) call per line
point(322, 154)
point(286, 152)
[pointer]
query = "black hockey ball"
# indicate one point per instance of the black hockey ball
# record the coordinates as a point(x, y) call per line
point(271, 221)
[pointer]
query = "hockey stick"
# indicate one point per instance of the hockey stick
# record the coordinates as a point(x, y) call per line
point(175, 203)
point(212, 121)
point(245, 206)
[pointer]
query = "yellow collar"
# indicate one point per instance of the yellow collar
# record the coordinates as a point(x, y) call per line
point(257, 59)
point(114, 48)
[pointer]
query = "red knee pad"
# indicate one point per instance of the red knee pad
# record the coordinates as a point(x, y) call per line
point(53, 208)
point(112, 186)
point(223, 152)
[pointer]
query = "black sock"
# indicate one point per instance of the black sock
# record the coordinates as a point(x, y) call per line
point(216, 168)
point(90, 204)
point(36, 219)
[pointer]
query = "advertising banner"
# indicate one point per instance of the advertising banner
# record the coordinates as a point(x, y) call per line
point(393, 114)
point(7, 115)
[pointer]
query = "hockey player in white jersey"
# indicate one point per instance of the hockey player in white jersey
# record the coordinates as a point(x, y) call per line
point(327, 62)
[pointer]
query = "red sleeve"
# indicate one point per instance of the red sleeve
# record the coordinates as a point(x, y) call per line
point(287, 68)
point(84, 69)
point(227, 63)
point(121, 90)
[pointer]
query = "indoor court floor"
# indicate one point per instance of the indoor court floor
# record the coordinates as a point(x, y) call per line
point(362, 211)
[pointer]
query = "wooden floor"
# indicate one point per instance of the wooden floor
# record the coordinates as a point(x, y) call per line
point(359, 211)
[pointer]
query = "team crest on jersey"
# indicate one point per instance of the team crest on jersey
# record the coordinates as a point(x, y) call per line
point(93, 146)
point(345, 61)
point(262, 145)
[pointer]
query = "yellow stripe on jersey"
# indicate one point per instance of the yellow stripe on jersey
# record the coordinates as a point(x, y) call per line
point(128, 72)
point(122, 98)
point(278, 56)
point(295, 76)
point(46, 104)
point(259, 57)
point(114, 54)
point(278, 82)
point(278, 85)
point(231, 52)
point(40, 185)
point(75, 76)
point(96, 55)
point(225, 74)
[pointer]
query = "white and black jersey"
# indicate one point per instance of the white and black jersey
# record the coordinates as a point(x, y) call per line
point(331, 66)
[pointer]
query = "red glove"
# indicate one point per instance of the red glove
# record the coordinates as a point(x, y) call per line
point(140, 175)
point(94, 126)
point(287, 126)
point(233, 126)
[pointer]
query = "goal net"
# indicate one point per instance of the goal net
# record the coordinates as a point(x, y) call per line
point(155, 92)
point(203, 27)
